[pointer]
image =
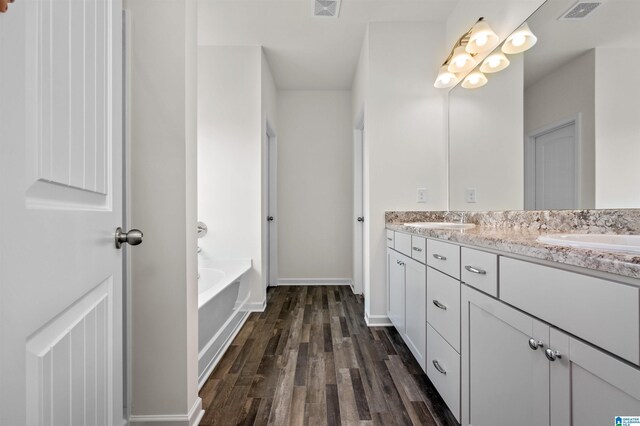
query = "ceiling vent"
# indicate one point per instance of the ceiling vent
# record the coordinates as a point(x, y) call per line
point(326, 8)
point(580, 10)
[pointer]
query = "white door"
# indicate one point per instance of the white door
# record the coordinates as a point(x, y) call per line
point(505, 380)
point(272, 207)
point(415, 310)
point(60, 203)
point(358, 210)
point(555, 168)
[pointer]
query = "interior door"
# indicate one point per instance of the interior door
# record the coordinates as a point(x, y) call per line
point(555, 169)
point(358, 210)
point(61, 201)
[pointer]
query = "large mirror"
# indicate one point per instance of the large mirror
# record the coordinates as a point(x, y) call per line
point(560, 127)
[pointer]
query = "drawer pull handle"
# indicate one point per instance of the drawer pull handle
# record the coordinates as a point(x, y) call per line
point(552, 355)
point(439, 305)
point(418, 249)
point(436, 364)
point(440, 257)
point(389, 239)
point(535, 344)
point(475, 270)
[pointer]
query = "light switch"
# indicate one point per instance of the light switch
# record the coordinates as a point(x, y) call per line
point(470, 195)
point(422, 195)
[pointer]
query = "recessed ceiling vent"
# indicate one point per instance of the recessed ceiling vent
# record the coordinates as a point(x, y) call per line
point(326, 8)
point(580, 10)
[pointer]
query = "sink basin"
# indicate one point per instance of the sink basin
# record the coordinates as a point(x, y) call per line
point(442, 225)
point(606, 242)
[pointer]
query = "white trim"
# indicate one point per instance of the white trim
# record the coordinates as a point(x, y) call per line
point(256, 307)
point(377, 320)
point(358, 206)
point(530, 164)
point(315, 281)
point(192, 418)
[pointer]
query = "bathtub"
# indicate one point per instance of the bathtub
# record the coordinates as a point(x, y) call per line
point(223, 292)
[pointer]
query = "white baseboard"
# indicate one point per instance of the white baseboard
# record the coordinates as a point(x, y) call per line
point(192, 418)
point(315, 281)
point(257, 307)
point(377, 320)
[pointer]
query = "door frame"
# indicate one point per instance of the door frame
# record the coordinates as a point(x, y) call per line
point(530, 159)
point(357, 285)
point(271, 198)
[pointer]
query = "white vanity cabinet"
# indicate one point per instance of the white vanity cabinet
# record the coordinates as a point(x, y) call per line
point(395, 289)
point(517, 369)
point(407, 293)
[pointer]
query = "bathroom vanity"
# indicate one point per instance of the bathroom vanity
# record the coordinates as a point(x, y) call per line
point(514, 331)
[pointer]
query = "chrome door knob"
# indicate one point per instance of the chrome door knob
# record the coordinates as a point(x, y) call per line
point(133, 237)
point(361, 219)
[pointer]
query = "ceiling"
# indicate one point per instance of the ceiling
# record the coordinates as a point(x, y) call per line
point(612, 24)
point(305, 52)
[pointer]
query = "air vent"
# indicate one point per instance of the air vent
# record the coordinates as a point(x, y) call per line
point(580, 10)
point(326, 8)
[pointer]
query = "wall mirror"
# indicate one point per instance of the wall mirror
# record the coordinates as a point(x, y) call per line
point(559, 128)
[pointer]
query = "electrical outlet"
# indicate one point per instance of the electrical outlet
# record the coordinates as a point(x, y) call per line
point(470, 195)
point(422, 195)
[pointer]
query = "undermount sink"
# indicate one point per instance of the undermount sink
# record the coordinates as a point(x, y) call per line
point(606, 242)
point(442, 225)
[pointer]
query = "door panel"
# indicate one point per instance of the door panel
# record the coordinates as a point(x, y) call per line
point(61, 191)
point(590, 387)
point(396, 271)
point(508, 382)
point(415, 309)
point(556, 169)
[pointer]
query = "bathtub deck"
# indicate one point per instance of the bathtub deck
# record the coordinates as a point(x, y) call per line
point(311, 359)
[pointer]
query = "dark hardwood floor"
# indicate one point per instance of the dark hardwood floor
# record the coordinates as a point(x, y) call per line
point(311, 359)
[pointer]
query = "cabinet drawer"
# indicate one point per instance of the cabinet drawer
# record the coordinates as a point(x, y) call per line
point(443, 306)
point(390, 238)
point(419, 248)
point(444, 257)
point(402, 243)
point(480, 270)
point(602, 312)
point(443, 368)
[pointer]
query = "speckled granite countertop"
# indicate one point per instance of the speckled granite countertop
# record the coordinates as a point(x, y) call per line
point(516, 233)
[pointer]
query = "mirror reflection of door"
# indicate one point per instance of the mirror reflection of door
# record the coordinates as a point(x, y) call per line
point(553, 172)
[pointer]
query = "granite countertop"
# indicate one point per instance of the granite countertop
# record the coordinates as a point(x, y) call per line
point(511, 237)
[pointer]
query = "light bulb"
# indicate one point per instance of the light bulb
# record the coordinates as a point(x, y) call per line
point(518, 40)
point(482, 40)
point(445, 79)
point(461, 61)
point(474, 79)
point(494, 61)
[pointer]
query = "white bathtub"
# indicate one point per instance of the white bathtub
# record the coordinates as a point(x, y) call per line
point(223, 291)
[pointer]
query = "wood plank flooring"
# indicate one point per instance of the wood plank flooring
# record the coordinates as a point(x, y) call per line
point(310, 359)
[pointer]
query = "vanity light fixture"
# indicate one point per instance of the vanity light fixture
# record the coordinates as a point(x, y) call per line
point(474, 80)
point(520, 41)
point(494, 63)
point(479, 38)
point(446, 78)
point(461, 60)
point(482, 38)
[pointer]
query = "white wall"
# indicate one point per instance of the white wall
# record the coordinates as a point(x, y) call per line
point(486, 142)
point(163, 187)
point(230, 156)
point(405, 145)
point(617, 129)
point(563, 94)
point(315, 191)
